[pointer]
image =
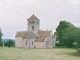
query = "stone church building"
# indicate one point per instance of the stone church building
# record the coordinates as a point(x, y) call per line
point(34, 37)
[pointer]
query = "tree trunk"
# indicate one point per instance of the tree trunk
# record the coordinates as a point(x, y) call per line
point(79, 51)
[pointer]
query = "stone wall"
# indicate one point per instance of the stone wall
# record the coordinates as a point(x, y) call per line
point(29, 43)
point(39, 44)
point(50, 42)
point(18, 42)
point(54, 42)
point(36, 25)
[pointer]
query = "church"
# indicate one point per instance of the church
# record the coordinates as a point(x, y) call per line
point(34, 37)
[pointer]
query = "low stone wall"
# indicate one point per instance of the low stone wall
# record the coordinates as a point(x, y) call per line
point(79, 51)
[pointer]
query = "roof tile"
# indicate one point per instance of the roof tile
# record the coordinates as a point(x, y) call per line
point(42, 35)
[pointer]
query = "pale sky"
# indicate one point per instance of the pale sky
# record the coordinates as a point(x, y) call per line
point(14, 14)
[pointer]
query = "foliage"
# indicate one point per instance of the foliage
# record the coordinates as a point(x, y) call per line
point(60, 44)
point(77, 37)
point(9, 43)
point(68, 37)
point(1, 43)
point(61, 27)
point(64, 33)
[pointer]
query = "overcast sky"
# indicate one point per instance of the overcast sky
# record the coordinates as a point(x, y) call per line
point(14, 14)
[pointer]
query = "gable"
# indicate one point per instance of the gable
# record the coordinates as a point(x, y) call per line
point(33, 17)
point(26, 34)
point(29, 35)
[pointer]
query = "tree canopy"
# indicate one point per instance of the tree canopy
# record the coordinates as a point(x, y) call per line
point(67, 33)
point(9, 43)
point(1, 43)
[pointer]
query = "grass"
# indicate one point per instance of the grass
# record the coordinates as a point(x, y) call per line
point(38, 54)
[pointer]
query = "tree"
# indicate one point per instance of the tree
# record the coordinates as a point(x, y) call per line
point(63, 25)
point(1, 43)
point(67, 34)
point(9, 43)
point(68, 37)
point(77, 37)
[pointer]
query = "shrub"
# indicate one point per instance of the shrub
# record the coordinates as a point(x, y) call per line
point(60, 44)
point(9, 43)
point(1, 43)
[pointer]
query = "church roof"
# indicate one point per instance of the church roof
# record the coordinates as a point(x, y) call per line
point(42, 35)
point(20, 33)
point(26, 34)
point(33, 17)
point(29, 35)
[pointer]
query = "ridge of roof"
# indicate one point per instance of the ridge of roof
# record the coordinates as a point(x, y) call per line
point(33, 17)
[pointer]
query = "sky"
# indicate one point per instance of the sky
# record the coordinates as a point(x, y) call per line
point(14, 14)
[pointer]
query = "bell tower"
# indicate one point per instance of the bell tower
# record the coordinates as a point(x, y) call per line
point(33, 24)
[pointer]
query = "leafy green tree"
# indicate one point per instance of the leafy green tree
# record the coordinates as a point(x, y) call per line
point(9, 43)
point(1, 43)
point(77, 37)
point(61, 28)
point(68, 37)
point(67, 34)
point(1, 35)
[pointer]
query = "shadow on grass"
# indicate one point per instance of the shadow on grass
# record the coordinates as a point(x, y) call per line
point(66, 47)
point(72, 53)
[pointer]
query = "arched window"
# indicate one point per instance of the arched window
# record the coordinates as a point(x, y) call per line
point(30, 22)
point(26, 42)
point(33, 22)
point(32, 42)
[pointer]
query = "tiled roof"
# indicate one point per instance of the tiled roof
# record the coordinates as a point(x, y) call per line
point(33, 17)
point(42, 35)
point(40, 39)
point(20, 33)
point(26, 35)
point(29, 35)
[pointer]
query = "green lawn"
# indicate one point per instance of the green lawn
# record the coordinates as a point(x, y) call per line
point(38, 54)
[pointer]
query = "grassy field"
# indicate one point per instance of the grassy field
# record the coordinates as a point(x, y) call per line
point(38, 54)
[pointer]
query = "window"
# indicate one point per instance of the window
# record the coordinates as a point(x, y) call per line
point(32, 22)
point(32, 42)
point(33, 27)
point(26, 42)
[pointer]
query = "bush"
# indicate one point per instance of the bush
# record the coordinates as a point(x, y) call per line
point(60, 44)
point(1, 43)
point(9, 43)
